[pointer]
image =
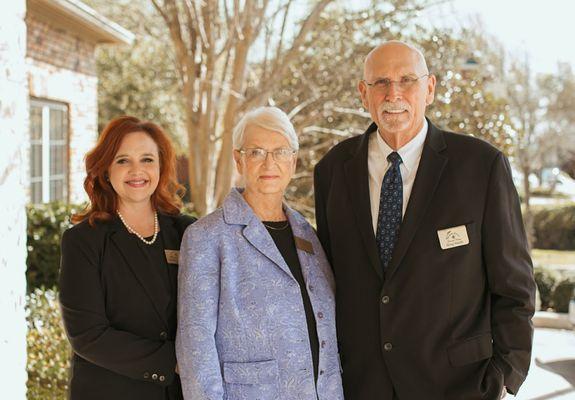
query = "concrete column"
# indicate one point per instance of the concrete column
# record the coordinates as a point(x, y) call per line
point(14, 164)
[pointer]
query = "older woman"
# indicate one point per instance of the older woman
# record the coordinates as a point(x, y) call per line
point(119, 268)
point(256, 293)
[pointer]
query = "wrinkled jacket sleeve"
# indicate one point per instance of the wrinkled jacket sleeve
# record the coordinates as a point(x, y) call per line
point(198, 299)
point(510, 276)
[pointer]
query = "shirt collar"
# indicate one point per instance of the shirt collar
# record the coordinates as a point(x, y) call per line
point(410, 152)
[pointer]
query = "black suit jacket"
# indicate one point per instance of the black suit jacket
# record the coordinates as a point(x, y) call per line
point(438, 324)
point(115, 309)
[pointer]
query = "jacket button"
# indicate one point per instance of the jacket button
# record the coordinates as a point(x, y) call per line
point(385, 299)
point(154, 376)
point(163, 335)
point(321, 372)
point(322, 344)
point(146, 375)
point(320, 315)
point(162, 378)
point(387, 347)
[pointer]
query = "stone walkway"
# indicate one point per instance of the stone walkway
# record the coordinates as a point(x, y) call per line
point(552, 373)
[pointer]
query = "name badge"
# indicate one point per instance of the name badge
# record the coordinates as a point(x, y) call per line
point(453, 237)
point(304, 245)
point(172, 256)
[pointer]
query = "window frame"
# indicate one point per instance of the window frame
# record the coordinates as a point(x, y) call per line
point(46, 143)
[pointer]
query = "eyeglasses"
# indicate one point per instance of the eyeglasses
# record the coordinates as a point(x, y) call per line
point(405, 83)
point(257, 154)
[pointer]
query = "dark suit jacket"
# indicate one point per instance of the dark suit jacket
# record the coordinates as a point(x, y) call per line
point(115, 308)
point(438, 324)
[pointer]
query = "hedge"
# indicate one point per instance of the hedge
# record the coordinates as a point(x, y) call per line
point(46, 223)
point(562, 295)
point(546, 280)
point(555, 289)
point(48, 349)
point(554, 228)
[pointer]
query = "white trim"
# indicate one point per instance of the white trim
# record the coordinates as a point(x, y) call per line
point(106, 30)
point(45, 154)
point(45, 177)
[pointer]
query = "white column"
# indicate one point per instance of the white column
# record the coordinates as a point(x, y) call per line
point(14, 164)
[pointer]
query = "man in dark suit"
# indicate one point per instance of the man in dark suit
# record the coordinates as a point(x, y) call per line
point(423, 227)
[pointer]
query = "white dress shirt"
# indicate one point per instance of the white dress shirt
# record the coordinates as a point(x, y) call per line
point(377, 166)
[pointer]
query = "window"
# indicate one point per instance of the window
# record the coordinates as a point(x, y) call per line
point(48, 151)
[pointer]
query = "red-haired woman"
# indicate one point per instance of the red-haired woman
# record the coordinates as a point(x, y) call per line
point(119, 268)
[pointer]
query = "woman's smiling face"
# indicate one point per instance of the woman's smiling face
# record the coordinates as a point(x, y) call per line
point(266, 176)
point(135, 171)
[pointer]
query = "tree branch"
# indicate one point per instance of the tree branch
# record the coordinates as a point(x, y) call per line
point(321, 129)
point(289, 56)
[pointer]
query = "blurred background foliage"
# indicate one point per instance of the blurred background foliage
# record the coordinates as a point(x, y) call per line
point(48, 349)
point(481, 90)
point(46, 223)
point(140, 79)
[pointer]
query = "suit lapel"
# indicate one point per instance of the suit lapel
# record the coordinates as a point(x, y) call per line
point(256, 233)
point(428, 175)
point(147, 274)
point(238, 212)
point(357, 179)
point(306, 260)
point(169, 233)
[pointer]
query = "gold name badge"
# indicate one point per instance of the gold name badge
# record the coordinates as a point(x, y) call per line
point(304, 245)
point(172, 256)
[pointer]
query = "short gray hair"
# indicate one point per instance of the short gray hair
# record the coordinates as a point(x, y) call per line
point(271, 118)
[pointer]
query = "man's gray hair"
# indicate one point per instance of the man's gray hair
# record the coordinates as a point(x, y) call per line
point(270, 118)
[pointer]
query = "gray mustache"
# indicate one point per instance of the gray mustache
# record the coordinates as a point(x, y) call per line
point(394, 107)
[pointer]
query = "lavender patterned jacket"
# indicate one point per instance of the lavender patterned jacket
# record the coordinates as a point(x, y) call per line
point(242, 331)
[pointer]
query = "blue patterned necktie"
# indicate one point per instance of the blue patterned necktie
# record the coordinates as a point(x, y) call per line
point(390, 210)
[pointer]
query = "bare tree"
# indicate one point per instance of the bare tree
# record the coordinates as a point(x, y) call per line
point(325, 107)
point(558, 94)
point(527, 125)
point(213, 41)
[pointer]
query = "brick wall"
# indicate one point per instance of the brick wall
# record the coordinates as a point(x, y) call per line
point(13, 184)
point(59, 47)
point(62, 67)
point(79, 92)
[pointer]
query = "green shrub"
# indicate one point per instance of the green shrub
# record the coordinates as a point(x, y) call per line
point(46, 223)
point(545, 279)
point(562, 295)
point(48, 348)
point(554, 228)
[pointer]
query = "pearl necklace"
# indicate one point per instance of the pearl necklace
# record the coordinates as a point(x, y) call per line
point(129, 228)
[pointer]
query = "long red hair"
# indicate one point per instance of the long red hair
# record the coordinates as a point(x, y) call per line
point(103, 199)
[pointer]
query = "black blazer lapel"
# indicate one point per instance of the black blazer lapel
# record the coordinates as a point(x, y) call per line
point(357, 179)
point(429, 172)
point(133, 252)
point(169, 233)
